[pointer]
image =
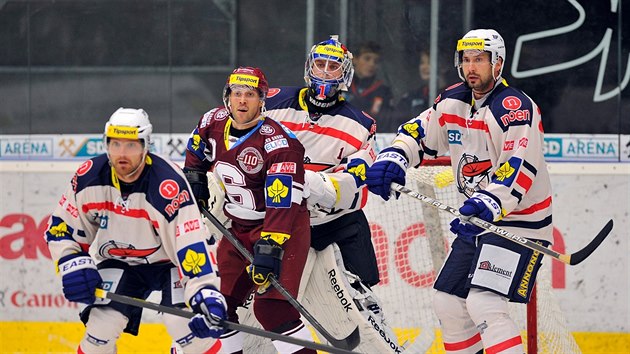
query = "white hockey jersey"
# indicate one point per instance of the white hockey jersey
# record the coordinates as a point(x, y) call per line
point(339, 142)
point(495, 145)
point(157, 222)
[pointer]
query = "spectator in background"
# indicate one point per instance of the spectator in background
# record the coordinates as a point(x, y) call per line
point(368, 93)
point(417, 99)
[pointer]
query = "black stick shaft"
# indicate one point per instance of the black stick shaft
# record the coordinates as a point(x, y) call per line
point(571, 259)
point(226, 324)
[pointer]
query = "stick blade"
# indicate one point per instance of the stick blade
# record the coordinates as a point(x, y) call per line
point(348, 343)
point(582, 254)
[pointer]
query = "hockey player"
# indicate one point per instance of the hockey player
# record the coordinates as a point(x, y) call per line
point(260, 163)
point(494, 135)
point(134, 212)
point(339, 143)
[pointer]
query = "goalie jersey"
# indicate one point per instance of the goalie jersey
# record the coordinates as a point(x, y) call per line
point(495, 145)
point(339, 142)
point(152, 221)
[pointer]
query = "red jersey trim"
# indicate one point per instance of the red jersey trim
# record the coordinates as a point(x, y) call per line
point(524, 181)
point(462, 122)
point(132, 213)
point(332, 132)
point(534, 208)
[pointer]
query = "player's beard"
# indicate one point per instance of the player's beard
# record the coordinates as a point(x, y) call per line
point(126, 168)
point(480, 84)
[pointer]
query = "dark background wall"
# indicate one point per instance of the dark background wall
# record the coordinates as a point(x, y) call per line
point(66, 65)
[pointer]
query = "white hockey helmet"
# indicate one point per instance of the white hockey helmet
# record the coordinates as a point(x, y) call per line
point(486, 40)
point(129, 123)
point(331, 50)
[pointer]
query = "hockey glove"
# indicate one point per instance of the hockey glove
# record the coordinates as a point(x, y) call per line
point(211, 310)
point(267, 259)
point(322, 191)
point(480, 205)
point(390, 166)
point(79, 277)
point(198, 181)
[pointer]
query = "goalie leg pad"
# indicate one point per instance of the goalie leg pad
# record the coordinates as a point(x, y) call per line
point(489, 311)
point(102, 331)
point(458, 329)
point(340, 306)
point(178, 328)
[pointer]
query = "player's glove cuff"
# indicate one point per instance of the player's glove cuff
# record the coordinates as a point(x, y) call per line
point(395, 155)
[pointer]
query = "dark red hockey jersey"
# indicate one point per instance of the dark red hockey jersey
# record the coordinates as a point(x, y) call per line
point(262, 172)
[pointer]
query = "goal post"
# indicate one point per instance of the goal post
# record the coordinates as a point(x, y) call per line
point(411, 241)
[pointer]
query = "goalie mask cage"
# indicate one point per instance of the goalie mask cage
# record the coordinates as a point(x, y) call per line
point(411, 241)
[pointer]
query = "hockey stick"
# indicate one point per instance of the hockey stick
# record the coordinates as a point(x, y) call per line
point(226, 324)
point(571, 259)
point(349, 342)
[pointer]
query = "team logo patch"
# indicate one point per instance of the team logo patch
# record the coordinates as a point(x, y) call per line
point(511, 103)
point(278, 191)
point(250, 160)
point(194, 260)
point(282, 167)
point(523, 142)
point(267, 129)
point(84, 168)
point(413, 129)
point(506, 173)
point(357, 168)
point(114, 249)
point(169, 189)
point(58, 230)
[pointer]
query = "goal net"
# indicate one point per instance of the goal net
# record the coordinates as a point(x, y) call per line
point(411, 241)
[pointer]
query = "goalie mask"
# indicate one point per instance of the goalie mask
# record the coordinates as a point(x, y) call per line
point(252, 78)
point(481, 40)
point(328, 69)
point(129, 123)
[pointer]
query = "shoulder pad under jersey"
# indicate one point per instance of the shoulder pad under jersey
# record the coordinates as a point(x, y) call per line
point(282, 97)
point(458, 91)
point(215, 114)
point(346, 109)
point(95, 171)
